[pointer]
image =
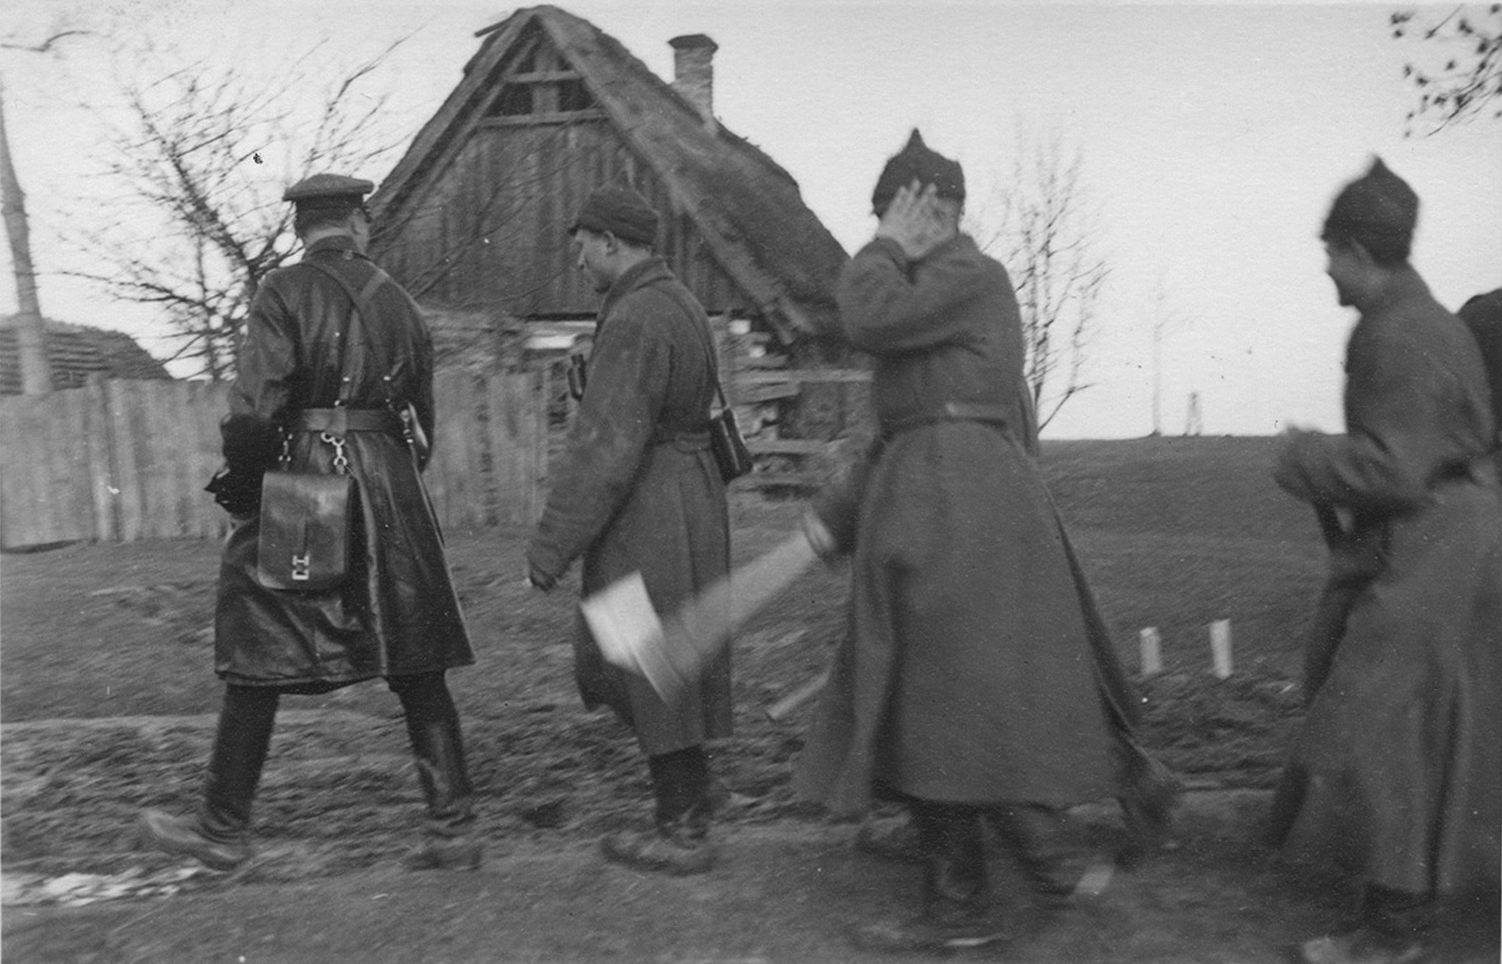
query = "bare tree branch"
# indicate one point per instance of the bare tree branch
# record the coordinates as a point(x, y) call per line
point(46, 45)
point(199, 222)
point(1461, 83)
point(1045, 235)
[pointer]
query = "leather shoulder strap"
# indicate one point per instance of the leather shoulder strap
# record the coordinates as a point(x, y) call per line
point(675, 292)
point(361, 301)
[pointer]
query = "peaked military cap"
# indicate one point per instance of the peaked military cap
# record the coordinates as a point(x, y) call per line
point(917, 162)
point(621, 211)
point(1377, 210)
point(328, 191)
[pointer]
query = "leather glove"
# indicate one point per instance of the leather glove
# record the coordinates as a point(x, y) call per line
point(238, 494)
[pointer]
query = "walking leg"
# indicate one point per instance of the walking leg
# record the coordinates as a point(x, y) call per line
point(438, 749)
point(956, 911)
point(1394, 929)
point(219, 835)
point(679, 843)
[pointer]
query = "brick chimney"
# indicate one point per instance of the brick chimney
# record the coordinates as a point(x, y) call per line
point(693, 72)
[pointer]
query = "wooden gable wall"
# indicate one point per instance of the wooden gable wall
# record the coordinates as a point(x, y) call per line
point(488, 228)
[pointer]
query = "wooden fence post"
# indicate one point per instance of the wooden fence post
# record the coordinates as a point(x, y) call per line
point(516, 407)
point(96, 440)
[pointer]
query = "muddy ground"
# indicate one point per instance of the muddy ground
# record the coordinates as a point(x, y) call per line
point(107, 699)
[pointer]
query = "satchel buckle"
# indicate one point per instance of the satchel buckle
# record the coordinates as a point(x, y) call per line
point(301, 566)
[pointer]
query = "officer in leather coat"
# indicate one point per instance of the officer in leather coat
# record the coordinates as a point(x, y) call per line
point(335, 353)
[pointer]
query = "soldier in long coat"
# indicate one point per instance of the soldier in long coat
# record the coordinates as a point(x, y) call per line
point(638, 490)
point(1482, 314)
point(966, 686)
point(335, 352)
point(1396, 775)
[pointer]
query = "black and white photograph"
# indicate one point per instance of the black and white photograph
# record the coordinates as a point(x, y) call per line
point(751, 482)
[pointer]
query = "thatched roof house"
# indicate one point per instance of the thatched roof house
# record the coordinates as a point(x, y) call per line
point(76, 352)
point(474, 216)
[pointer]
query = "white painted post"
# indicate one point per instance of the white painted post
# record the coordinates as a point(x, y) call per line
point(1152, 651)
point(1220, 647)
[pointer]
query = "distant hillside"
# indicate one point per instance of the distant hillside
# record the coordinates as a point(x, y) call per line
point(1177, 532)
point(1209, 486)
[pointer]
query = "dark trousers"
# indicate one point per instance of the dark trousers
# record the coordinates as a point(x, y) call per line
point(680, 785)
point(1398, 913)
point(248, 716)
point(952, 839)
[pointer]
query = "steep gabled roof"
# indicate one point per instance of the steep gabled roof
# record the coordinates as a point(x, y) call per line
point(747, 208)
point(76, 352)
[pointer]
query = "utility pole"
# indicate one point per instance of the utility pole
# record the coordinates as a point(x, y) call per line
point(1158, 375)
point(31, 335)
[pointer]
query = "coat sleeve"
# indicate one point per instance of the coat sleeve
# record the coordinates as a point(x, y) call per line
point(268, 361)
point(1395, 441)
point(422, 392)
point(261, 391)
point(629, 372)
point(889, 305)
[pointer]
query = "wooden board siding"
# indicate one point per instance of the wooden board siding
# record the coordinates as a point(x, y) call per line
point(493, 231)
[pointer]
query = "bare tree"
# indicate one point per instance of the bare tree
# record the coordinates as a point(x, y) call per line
point(1044, 231)
point(199, 165)
point(31, 330)
point(1469, 78)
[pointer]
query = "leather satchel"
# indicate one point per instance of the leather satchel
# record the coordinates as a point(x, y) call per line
point(727, 443)
point(305, 530)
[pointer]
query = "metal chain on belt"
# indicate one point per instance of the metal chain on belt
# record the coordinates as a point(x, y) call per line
point(341, 461)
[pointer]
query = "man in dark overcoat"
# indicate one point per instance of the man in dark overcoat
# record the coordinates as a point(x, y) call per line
point(1397, 772)
point(638, 490)
point(967, 685)
point(1482, 314)
point(335, 354)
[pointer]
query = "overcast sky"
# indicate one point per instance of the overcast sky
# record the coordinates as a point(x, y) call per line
point(1213, 137)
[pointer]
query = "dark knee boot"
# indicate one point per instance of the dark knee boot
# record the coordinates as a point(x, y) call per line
point(1045, 849)
point(219, 835)
point(679, 841)
point(954, 865)
point(438, 750)
point(957, 909)
point(1396, 927)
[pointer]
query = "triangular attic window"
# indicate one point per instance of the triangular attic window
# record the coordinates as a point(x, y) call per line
point(540, 82)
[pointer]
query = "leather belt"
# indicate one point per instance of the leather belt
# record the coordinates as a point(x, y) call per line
point(338, 421)
point(693, 438)
point(949, 412)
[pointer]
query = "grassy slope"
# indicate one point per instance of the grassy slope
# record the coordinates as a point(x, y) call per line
point(1177, 532)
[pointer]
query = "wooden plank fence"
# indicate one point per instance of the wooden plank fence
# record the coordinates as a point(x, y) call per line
point(117, 461)
point(841, 405)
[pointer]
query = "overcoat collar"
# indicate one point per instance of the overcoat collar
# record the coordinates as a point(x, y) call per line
point(1405, 285)
point(639, 274)
point(339, 245)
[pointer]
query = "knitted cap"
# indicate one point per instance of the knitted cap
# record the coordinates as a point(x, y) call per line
point(1377, 210)
point(621, 211)
point(915, 162)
